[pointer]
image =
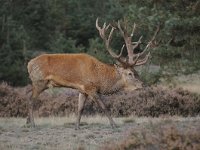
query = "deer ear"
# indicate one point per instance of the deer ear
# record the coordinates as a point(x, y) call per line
point(116, 66)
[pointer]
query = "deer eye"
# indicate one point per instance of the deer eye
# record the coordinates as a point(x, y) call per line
point(130, 74)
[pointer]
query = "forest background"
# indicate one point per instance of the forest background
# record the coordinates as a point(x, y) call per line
point(32, 27)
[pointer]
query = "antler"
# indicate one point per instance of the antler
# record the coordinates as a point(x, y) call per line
point(136, 59)
point(133, 59)
point(102, 33)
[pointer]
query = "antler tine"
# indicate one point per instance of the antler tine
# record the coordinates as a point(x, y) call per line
point(120, 29)
point(146, 48)
point(104, 25)
point(97, 24)
point(110, 35)
point(133, 30)
point(138, 43)
point(108, 26)
point(156, 32)
point(143, 61)
point(137, 60)
point(122, 49)
point(99, 28)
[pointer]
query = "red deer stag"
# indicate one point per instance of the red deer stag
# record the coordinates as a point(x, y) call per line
point(87, 74)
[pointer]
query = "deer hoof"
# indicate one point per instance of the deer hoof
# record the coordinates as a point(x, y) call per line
point(77, 127)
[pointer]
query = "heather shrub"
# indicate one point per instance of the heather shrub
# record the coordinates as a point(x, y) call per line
point(11, 103)
point(160, 136)
point(151, 101)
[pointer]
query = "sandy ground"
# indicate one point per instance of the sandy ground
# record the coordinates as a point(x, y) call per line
point(59, 133)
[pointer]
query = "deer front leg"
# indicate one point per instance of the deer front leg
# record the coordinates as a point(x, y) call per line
point(81, 102)
point(30, 118)
point(102, 105)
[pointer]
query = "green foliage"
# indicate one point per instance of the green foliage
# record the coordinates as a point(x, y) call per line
point(60, 44)
point(150, 74)
point(98, 50)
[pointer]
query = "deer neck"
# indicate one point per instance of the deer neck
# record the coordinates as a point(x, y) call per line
point(115, 84)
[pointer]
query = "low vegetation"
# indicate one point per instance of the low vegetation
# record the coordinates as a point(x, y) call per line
point(167, 134)
point(152, 101)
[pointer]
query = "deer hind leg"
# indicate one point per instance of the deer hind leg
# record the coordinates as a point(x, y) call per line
point(37, 88)
point(98, 99)
point(81, 103)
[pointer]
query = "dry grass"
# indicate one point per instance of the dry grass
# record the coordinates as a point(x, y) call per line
point(191, 87)
point(58, 121)
point(89, 120)
point(189, 82)
point(172, 133)
point(55, 133)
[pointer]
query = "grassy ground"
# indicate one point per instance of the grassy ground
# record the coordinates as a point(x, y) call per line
point(57, 133)
point(189, 82)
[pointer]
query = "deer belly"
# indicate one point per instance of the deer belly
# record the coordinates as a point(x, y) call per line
point(55, 81)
